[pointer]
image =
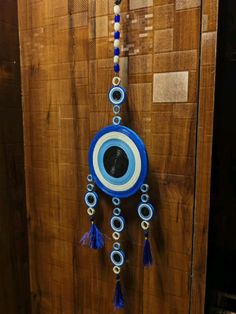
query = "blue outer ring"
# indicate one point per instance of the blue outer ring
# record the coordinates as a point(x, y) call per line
point(143, 155)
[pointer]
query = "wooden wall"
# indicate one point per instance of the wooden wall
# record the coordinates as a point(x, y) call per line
point(14, 280)
point(168, 66)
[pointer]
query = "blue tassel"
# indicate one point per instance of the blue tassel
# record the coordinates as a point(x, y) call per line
point(118, 298)
point(94, 238)
point(147, 254)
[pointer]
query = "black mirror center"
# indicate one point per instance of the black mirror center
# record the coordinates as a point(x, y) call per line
point(116, 95)
point(115, 161)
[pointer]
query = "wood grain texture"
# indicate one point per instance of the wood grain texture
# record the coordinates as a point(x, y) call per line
point(66, 51)
point(204, 153)
point(14, 279)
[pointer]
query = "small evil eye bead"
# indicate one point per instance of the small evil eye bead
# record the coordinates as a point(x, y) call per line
point(116, 246)
point(117, 51)
point(145, 211)
point(116, 201)
point(116, 35)
point(116, 270)
point(90, 187)
point(117, 95)
point(91, 199)
point(116, 120)
point(116, 59)
point(90, 178)
point(145, 225)
point(116, 211)
point(117, 258)
point(144, 188)
point(117, 18)
point(117, 223)
point(91, 211)
point(116, 109)
point(116, 9)
point(116, 236)
point(145, 198)
point(116, 26)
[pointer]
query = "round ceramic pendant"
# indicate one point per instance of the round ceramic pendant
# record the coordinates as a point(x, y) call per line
point(118, 161)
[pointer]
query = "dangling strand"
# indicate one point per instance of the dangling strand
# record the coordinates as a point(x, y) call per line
point(93, 238)
point(146, 212)
point(117, 256)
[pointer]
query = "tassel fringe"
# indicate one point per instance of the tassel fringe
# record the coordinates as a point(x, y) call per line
point(147, 254)
point(94, 238)
point(118, 298)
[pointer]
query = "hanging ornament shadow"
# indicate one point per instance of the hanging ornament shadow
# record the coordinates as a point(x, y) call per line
point(118, 164)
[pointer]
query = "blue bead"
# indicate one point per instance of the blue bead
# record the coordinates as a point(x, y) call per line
point(117, 18)
point(116, 68)
point(116, 51)
point(117, 35)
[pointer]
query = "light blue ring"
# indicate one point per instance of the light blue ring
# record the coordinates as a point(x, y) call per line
point(116, 201)
point(122, 223)
point(94, 195)
point(149, 207)
point(116, 211)
point(144, 188)
point(90, 178)
point(116, 120)
point(121, 255)
point(116, 246)
point(123, 95)
point(145, 198)
point(90, 187)
point(116, 109)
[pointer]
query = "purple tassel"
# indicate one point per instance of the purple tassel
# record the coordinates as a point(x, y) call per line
point(94, 238)
point(118, 298)
point(147, 254)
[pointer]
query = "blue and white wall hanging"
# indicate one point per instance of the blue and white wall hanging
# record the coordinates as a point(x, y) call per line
point(118, 166)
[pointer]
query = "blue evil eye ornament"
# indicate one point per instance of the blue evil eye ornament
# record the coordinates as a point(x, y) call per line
point(118, 161)
point(118, 165)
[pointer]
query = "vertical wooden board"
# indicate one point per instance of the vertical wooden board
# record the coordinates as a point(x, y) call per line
point(14, 290)
point(204, 153)
point(66, 51)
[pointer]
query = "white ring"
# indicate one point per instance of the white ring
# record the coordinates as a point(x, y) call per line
point(145, 225)
point(116, 235)
point(120, 136)
point(116, 81)
point(116, 270)
point(91, 211)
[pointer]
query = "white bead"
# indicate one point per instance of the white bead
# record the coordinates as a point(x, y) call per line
point(116, 235)
point(116, 59)
point(116, 43)
point(91, 211)
point(117, 9)
point(116, 81)
point(117, 26)
point(145, 225)
point(116, 270)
